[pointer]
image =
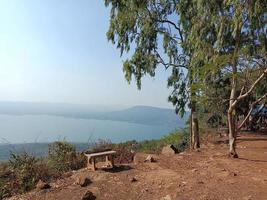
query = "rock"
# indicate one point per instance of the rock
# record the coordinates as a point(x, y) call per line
point(83, 181)
point(247, 198)
point(194, 170)
point(184, 182)
point(169, 150)
point(168, 197)
point(133, 179)
point(88, 196)
point(42, 185)
point(138, 158)
point(150, 158)
point(232, 174)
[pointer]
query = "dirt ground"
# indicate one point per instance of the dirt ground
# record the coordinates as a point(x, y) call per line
point(205, 175)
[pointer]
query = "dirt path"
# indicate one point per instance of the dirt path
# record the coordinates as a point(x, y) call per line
point(205, 175)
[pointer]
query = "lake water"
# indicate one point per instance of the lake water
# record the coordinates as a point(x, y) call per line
point(31, 128)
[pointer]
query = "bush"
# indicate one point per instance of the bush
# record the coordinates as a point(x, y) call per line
point(100, 146)
point(150, 146)
point(62, 156)
point(23, 167)
point(21, 174)
point(23, 171)
point(178, 138)
point(5, 187)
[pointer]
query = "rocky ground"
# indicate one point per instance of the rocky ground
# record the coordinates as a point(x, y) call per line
point(205, 175)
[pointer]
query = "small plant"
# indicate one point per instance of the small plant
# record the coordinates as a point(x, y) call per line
point(24, 168)
point(5, 189)
point(61, 156)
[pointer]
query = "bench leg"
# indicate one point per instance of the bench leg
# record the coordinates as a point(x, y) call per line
point(91, 164)
point(112, 161)
point(109, 161)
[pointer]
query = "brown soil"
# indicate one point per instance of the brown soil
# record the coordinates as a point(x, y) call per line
point(205, 175)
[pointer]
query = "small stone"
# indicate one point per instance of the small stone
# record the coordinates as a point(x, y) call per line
point(194, 170)
point(83, 181)
point(150, 159)
point(234, 174)
point(169, 150)
point(42, 185)
point(88, 196)
point(248, 198)
point(168, 197)
point(133, 179)
point(184, 183)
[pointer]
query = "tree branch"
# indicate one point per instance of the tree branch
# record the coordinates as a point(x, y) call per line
point(174, 25)
point(242, 96)
point(167, 65)
point(251, 109)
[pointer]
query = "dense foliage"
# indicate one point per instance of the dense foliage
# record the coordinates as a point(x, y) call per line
point(148, 34)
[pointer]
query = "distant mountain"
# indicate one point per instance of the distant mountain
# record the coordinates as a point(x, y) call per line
point(138, 114)
point(62, 109)
point(148, 115)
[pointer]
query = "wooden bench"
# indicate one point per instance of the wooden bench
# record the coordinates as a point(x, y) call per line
point(91, 164)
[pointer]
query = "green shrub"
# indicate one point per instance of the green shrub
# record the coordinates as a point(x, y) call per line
point(150, 146)
point(61, 156)
point(21, 174)
point(178, 138)
point(24, 168)
point(79, 162)
point(5, 187)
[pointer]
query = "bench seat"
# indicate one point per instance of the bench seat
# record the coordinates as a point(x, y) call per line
point(91, 159)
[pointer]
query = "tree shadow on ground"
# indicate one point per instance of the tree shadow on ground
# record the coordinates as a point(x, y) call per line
point(253, 160)
point(117, 169)
point(221, 141)
point(251, 139)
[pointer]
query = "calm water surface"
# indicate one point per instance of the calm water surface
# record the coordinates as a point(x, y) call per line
point(31, 128)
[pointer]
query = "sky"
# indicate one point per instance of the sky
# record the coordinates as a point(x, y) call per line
point(57, 51)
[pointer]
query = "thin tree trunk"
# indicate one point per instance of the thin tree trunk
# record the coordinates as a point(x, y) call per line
point(232, 135)
point(191, 132)
point(232, 115)
point(194, 135)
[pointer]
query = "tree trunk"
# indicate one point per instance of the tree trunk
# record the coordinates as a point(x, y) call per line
point(232, 135)
point(231, 116)
point(194, 129)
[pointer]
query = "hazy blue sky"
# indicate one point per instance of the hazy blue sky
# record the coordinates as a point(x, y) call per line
point(57, 51)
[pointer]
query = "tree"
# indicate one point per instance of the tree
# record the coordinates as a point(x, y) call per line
point(229, 37)
point(149, 31)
